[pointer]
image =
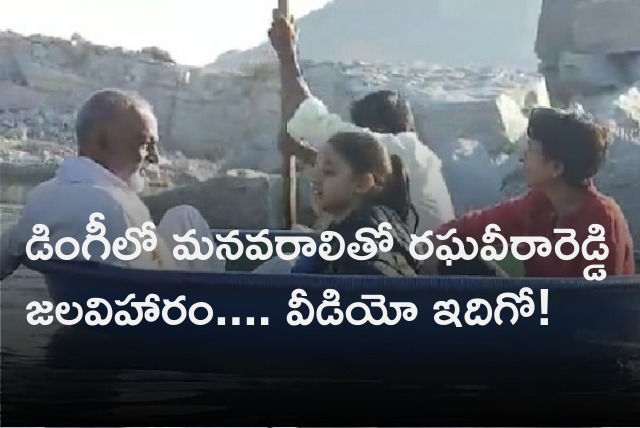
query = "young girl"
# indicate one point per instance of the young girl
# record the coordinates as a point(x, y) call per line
point(360, 185)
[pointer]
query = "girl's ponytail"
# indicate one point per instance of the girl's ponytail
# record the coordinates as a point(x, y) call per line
point(396, 192)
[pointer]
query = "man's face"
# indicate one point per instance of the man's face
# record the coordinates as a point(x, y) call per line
point(130, 141)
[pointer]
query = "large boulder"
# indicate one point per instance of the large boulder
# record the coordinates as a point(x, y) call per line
point(577, 26)
point(555, 32)
point(606, 26)
point(240, 199)
point(590, 73)
point(475, 136)
point(578, 56)
point(451, 105)
point(496, 33)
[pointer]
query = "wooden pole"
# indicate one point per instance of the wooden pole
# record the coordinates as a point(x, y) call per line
point(288, 160)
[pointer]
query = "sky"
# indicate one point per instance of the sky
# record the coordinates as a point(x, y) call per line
point(195, 32)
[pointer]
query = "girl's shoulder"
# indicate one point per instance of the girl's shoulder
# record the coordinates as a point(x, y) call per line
point(396, 262)
point(370, 216)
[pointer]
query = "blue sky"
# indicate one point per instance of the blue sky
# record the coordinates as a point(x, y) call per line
point(193, 31)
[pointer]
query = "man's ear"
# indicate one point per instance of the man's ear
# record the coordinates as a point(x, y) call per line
point(364, 183)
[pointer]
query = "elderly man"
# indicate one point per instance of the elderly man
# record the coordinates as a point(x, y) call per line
point(117, 133)
point(383, 113)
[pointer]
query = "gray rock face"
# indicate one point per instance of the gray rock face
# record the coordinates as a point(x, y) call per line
point(233, 118)
point(555, 32)
point(240, 199)
point(589, 73)
point(446, 32)
point(606, 26)
point(253, 198)
point(588, 46)
point(473, 118)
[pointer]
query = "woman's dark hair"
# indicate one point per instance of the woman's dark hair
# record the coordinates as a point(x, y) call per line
point(384, 112)
point(364, 154)
point(580, 145)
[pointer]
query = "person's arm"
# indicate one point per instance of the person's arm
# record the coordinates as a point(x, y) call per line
point(507, 215)
point(618, 240)
point(293, 88)
point(308, 118)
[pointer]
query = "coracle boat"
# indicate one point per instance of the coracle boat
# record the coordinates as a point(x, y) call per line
point(590, 327)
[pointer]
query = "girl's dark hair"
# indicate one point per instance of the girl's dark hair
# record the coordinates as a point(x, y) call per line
point(577, 143)
point(364, 154)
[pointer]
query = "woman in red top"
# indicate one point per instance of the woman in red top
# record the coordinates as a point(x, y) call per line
point(563, 153)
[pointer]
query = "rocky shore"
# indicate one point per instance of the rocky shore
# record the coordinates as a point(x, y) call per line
point(474, 118)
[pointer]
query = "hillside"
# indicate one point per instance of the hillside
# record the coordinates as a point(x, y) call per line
point(497, 33)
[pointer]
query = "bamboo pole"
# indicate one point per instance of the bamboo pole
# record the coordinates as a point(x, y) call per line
point(288, 160)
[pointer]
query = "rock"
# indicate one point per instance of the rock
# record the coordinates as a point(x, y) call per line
point(253, 200)
point(242, 199)
point(578, 57)
point(634, 68)
point(621, 19)
point(577, 26)
point(495, 123)
point(619, 110)
point(559, 94)
point(470, 116)
point(476, 152)
point(233, 118)
point(588, 73)
point(554, 34)
point(471, 168)
point(496, 33)
point(620, 175)
point(620, 178)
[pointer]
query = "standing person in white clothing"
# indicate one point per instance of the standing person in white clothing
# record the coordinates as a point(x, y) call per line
point(384, 114)
point(117, 133)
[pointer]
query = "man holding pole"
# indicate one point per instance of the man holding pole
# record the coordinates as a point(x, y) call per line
point(384, 114)
point(288, 157)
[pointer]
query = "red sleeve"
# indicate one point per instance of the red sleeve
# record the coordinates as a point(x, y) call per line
point(621, 260)
point(508, 215)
